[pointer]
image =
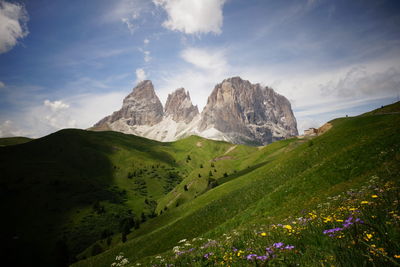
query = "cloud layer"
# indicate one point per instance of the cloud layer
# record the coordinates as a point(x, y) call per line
point(193, 16)
point(13, 19)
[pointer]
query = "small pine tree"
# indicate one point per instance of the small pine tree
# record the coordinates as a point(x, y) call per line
point(201, 165)
point(199, 175)
point(225, 174)
point(210, 173)
point(185, 188)
point(212, 165)
point(188, 158)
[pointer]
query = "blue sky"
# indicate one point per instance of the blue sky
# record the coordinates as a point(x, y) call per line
point(70, 63)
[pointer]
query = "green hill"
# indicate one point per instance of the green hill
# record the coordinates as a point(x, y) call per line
point(9, 141)
point(89, 196)
point(290, 178)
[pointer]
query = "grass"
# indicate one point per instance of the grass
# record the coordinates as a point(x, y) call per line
point(10, 141)
point(299, 175)
point(89, 191)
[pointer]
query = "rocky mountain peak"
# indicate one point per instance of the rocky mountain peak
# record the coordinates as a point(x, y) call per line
point(141, 107)
point(237, 111)
point(180, 107)
point(248, 112)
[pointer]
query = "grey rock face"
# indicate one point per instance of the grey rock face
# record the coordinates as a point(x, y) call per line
point(180, 107)
point(237, 111)
point(141, 107)
point(248, 113)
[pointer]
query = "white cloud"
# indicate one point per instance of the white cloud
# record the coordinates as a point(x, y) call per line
point(129, 24)
point(56, 105)
point(146, 41)
point(358, 81)
point(193, 16)
point(40, 119)
point(2, 85)
point(147, 56)
point(206, 59)
point(8, 129)
point(207, 68)
point(140, 75)
point(13, 19)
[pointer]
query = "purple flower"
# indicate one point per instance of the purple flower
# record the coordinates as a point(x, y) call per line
point(289, 247)
point(278, 245)
point(207, 255)
point(251, 256)
point(334, 230)
point(262, 258)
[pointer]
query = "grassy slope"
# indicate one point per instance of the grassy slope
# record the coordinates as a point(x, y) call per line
point(65, 175)
point(9, 141)
point(352, 151)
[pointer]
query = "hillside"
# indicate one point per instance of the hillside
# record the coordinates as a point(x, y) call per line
point(85, 197)
point(85, 186)
point(287, 179)
point(9, 141)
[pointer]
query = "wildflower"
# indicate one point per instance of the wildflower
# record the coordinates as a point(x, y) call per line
point(251, 256)
point(331, 232)
point(374, 196)
point(396, 256)
point(263, 234)
point(207, 255)
point(124, 262)
point(278, 245)
point(364, 202)
point(368, 237)
point(289, 247)
point(182, 241)
point(263, 258)
point(287, 227)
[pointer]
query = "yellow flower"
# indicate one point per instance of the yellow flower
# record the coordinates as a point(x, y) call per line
point(374, 196)
point(287, 227)
point(352, 209)
point(368, 236)
point(327, 219)
point(364, 202)
point(397, 256)
point(263, 234)
point(339, 220)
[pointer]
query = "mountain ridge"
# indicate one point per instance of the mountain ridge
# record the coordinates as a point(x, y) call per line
point(237, 111)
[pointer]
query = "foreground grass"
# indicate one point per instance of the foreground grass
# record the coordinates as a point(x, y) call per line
point(295, 180)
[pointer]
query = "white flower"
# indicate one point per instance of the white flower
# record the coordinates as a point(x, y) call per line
point(158, 257)
point(124, 261)
point(182, 241)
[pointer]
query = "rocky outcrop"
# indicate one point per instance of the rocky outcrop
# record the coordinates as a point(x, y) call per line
point(180, 107)
point(248, 113)
point(141, 107)
point(236, 111)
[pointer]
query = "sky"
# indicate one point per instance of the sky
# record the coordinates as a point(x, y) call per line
point(67, 64)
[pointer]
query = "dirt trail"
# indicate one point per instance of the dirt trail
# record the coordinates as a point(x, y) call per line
point(230, 149)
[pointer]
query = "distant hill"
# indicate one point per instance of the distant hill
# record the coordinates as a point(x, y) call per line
point(9, 141)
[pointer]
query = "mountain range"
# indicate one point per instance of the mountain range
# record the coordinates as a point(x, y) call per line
point(237, 111)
